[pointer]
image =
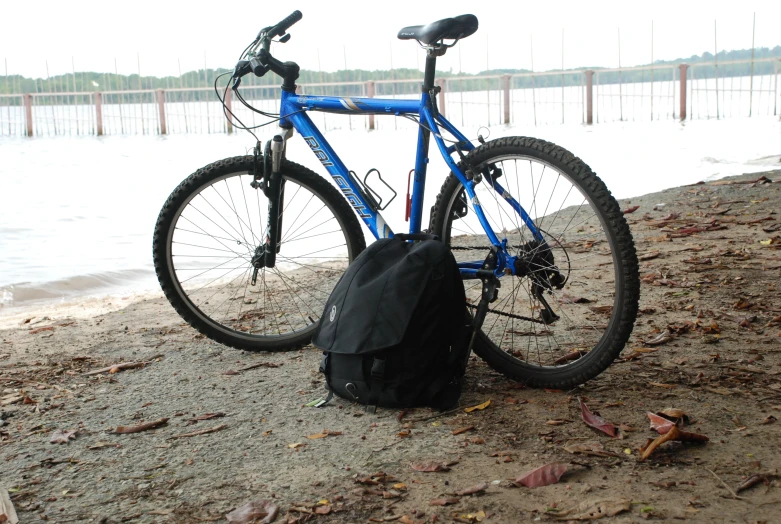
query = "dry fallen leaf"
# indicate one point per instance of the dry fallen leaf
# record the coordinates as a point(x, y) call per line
point(478, 407)
point(255, 512)
point(463, 430)
point(430, 466)
point(444, 501)
point(62, 436)
point(659, 424)
point(140, 427)
point(596, 422)
point(595, 509)
point(755, 479)
point(663, 338)
point(673, 434)
point(542, 476)
point(295, 445)
point(325, 509)
point(479, 488)
point(673, 413)
point(631, 209)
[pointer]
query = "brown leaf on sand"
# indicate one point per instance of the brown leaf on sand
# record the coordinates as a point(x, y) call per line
point(595, 509)
point(325, 509)
point(40, 330)
point(662, 338)
point(479, 407)
point(463, 430)
point(649, 256)
point(755, 479)
point(542, 476)
point(255, 512)
point(444, 501)
point(674, 434)
point(479, 488)
point(660, 424)
point(594, 449)
point(141, 427)
point(61, 436)
point(602, 310)
point(430, 466)
point(7, 510)
point(631, 209)
point(596, 422)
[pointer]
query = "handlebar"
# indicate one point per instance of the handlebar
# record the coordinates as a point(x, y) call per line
point(262, 61)
point(282, 27)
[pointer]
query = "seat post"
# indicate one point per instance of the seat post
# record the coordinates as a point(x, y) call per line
point(431, 69)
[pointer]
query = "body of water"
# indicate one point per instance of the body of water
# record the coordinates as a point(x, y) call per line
point(77, 213)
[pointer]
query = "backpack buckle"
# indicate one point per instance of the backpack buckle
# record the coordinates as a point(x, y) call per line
point(378, 369)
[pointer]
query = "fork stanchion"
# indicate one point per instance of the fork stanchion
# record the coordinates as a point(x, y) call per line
point(370, 94)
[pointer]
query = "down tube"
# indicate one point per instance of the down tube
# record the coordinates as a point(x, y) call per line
point(336, 168)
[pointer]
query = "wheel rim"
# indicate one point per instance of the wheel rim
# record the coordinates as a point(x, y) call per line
point(211, 242)
point(588, 304)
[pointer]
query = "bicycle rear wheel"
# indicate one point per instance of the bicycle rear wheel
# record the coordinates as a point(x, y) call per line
point(588, 243)
point(210, 229)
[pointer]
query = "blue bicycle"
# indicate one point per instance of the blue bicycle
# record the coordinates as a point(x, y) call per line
point(248, 249)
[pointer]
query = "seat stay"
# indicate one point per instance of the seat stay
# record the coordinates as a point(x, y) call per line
point(469, 185)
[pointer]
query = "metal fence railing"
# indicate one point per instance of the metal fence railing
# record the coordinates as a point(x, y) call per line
point(661, 92)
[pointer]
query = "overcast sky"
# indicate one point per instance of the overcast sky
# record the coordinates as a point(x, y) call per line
point(165, 35)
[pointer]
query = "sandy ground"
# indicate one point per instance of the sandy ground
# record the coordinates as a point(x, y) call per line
point(713, 289)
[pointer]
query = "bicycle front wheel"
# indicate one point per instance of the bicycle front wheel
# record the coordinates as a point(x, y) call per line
point(545, 331)
point(212, 226)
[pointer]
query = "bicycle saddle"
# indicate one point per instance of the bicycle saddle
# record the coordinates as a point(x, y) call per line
point(450, 28)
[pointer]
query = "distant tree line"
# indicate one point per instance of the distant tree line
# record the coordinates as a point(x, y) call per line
point(92, 81)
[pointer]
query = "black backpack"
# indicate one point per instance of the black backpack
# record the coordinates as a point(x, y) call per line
point(395, 330)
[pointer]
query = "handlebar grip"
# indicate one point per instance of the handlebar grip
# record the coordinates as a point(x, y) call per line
point(282, 27)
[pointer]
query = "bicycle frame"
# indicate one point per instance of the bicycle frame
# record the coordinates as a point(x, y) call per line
point(294, 107)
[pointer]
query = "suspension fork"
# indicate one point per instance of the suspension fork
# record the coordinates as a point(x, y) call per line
point(274, 188)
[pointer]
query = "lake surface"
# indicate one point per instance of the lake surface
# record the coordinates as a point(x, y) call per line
point(78, 212)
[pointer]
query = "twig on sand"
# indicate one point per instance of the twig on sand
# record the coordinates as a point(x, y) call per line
point(732, 492)
point(117, 367)
point(140, 427)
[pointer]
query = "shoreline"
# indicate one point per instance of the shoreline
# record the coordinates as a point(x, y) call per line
point(100, 303)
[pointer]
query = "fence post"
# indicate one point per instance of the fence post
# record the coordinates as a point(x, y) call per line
point(28, 113)
point(229, 109)
point(99, 112)
point(370, 94)
point(506, 87)
point(589, 96)
point(161, 110)
point(441, 82)
point(682, 80)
